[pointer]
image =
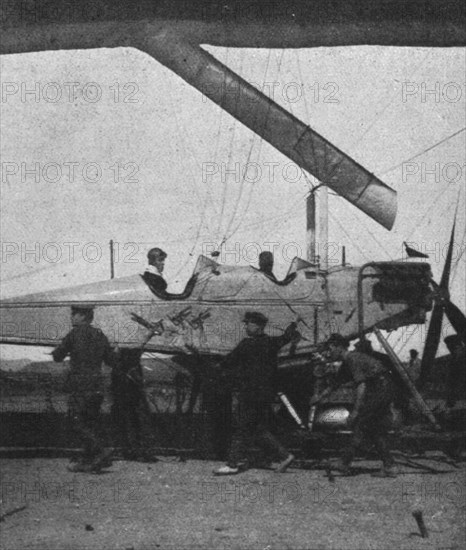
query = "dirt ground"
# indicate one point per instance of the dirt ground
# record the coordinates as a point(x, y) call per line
point(181, 505)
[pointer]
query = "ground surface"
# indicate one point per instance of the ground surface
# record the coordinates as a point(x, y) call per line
point(182, 505)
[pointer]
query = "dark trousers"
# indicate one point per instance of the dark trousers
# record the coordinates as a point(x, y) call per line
point(131, 423)
point(84, 411)
point(374, 421)
point(217, 409)
point(254, 419)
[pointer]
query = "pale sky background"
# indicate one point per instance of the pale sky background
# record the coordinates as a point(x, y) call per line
point(167, 134)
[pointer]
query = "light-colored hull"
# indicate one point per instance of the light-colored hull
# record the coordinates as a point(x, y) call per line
point(210, 319)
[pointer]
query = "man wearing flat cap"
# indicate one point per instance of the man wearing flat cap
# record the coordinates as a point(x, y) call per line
point(253, 366)
point(371, 415)
point(153, 276)
point(87, 347)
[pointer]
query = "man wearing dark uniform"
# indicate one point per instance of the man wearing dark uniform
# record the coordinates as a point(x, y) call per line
point(87, 347)
point(456, 371)
point(401, 399)
point(253, 367)
point(371, 415)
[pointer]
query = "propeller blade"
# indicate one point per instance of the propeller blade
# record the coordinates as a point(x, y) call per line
point(433, 339)
point(447, 267)
point(442, 303)
point(457, 319)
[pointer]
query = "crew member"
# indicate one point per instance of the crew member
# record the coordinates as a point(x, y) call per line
point(457, 369)
point(371, 416)
point(130, 411)
point(266, 264)
point(253, 366)
point(414, 365)
point(402, 409)
point(153, 276)
point(266, 267)
point(87, 347)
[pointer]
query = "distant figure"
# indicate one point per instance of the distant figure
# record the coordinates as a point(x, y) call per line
point(457, 369)
point(414, 365)
point(266, 264)
point(371, 415)
point(153, 276)
point(253, 367)
point(87, 347)
point(130, 411)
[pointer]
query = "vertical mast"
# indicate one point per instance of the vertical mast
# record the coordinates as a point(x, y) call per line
point(317, 227)
point(311, 228)
point(112, 261)
point(323, 227)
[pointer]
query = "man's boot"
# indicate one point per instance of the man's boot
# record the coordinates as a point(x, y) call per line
point(389, 470)
point(102, 460)
point(343, 467)
point(284, 464)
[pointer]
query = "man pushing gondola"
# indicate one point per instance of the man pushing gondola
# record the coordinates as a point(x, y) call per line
point(371, 414)
point(252, 366)
point(88, 348)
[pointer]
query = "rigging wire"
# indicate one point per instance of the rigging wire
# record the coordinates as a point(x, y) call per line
point(30, 273)
point(333, 218)
point(217, 144)
point(428, 209)
point(308, 119)
point(284, 217)
point(202, 202)
point(239, 196)
point(181, 137)
point(442, 191)
point(251, 192)
point(261, 140)
point(254, 224)
point(378, 115)
point(355, 242)
point(443, 140)
point(330, 214)
point(371, 125)
point(226, 234)
point(225, 184)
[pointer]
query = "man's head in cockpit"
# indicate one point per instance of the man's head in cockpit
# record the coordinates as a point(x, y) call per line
point(266, 261)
